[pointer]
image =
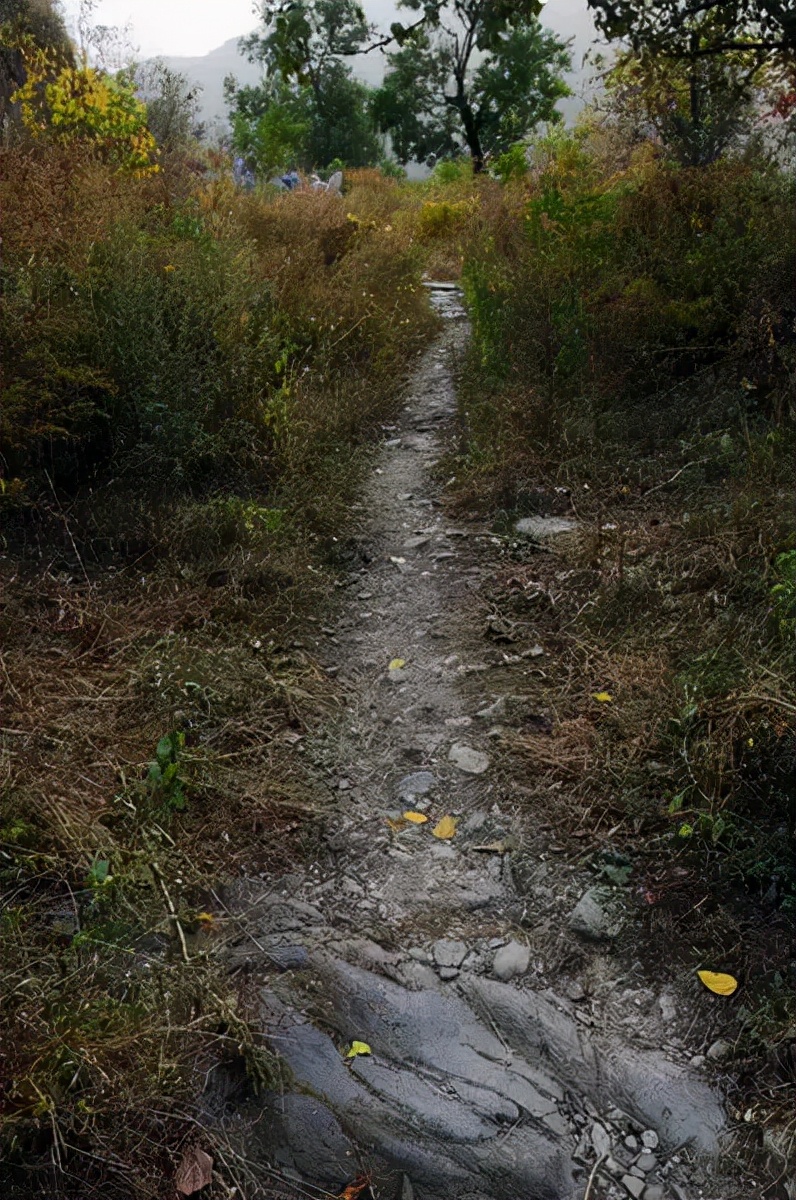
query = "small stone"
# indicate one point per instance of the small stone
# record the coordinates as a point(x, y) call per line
point(458, 722)
point(495, 943)
point(634, 1186)
point(667, 1006)
point(404, 496)
point(416, 543)
point(600, 1140)
point(419, 954)
point(646, 1162)
point(719, 1049)
point(449, 953)
point(653, 1192)
point(474, 762)
point(494, 710)
point(589, 919)
point(575, 991)
point(448, 973)
point(510, 961)
point(631, 1142)
point(650, 1139)
point(544, 526)
point(698, 1060)
point(416, 784)
point(289, 958)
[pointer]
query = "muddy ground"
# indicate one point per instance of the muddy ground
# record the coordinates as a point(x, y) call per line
point(522, 1047)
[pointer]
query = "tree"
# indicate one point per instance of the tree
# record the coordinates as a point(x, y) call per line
point(172, 103)
point(698, 108)
point(481, 73)
point(765, 26)
point(308, 108)
point(38, 23)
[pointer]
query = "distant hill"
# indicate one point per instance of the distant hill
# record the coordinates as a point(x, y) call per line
point(568, 18)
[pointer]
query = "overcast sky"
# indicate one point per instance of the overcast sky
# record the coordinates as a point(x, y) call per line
point(194, 27)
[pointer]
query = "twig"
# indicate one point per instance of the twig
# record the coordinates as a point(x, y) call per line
point(68, 529)
point(594, 1170)
point(696, 463)
point(175, 920)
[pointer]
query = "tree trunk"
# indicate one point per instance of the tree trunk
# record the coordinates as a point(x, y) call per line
point(471, 137)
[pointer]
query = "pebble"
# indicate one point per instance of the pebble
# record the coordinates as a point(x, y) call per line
point(448, 973)
point(634, 1186)
point(646, 1162)
point(510, 961)
point(719, 1049)
point(631, 1142)
point(650, 1139)
point(653, 1192)
point(449, 953)
point(473, 762)
point(419, 954)
point(698, 1060)
point(589, 919)
point(416, 784)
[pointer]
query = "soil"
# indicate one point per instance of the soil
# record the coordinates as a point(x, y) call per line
point(521, 1043)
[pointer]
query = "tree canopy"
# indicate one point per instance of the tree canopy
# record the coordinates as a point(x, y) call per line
point(767, 26)
point(478, 73)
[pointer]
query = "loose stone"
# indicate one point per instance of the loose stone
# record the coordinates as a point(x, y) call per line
point(650, 1139)
point(634, 1186)
point(449, 953)
point(474, 762)
point(510, 961)
point(646, 1162)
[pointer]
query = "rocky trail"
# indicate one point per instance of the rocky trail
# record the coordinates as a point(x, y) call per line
point(496, 1072)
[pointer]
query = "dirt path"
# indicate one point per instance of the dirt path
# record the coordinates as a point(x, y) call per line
point(494, 1073)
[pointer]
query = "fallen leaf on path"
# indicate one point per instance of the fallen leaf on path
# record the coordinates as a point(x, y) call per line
point(416, 818)
point(357, 1048)
point(354, 1190)
point(194, 1172)
point(445, 828)
point(396, 664)
point(715, 981)
point(603, 697)
point(396, 824)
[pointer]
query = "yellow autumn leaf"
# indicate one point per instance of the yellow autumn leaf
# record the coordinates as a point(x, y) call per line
point(396, 824)
point(416, 818)
point(396, 664)
point(357, 1048)
point(716, 981)
point(603, 697)
point(445, 828)
point(205, 917)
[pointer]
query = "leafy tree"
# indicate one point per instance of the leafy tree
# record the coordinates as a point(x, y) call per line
point(37, 22)
point(307, 108)
point(698, 108)
point(766, 26)
point(172, 103)
point(481, 73)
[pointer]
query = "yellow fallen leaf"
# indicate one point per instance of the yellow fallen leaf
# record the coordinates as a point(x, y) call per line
point(396, 824)
point(715, 981)
point(357, 1048)
point(416, 818)
point(603, 697)
point(396, 664)
point(205, 917)
point(445, 828)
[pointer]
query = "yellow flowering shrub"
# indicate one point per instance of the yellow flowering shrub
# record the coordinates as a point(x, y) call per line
point(66, 103)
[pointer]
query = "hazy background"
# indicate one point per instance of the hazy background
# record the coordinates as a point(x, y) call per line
point(200, 39)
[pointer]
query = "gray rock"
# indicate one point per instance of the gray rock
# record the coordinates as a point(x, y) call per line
point(646, 1162)
point(510, 961)
point(653, 1191)
point(289, 958)
point(719, 1049)
point(416, 784)
point(539, 527)
point(493, 711)
point(448, 973)
point(631, 1142)
point(634, 1186)
point(600, 1140)
point(650, 1139)
point(448, 953)
point(419, 954)
point(589, 918)
point(474, 762)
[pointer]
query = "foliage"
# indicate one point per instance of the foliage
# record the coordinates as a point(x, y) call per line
point(698, 108)
point(765, 25)
point(473, 72)
point(172, 104)
point(66, 103)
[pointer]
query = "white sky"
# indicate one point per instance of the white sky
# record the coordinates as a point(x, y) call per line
point(191, 28)
point(185, 27)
